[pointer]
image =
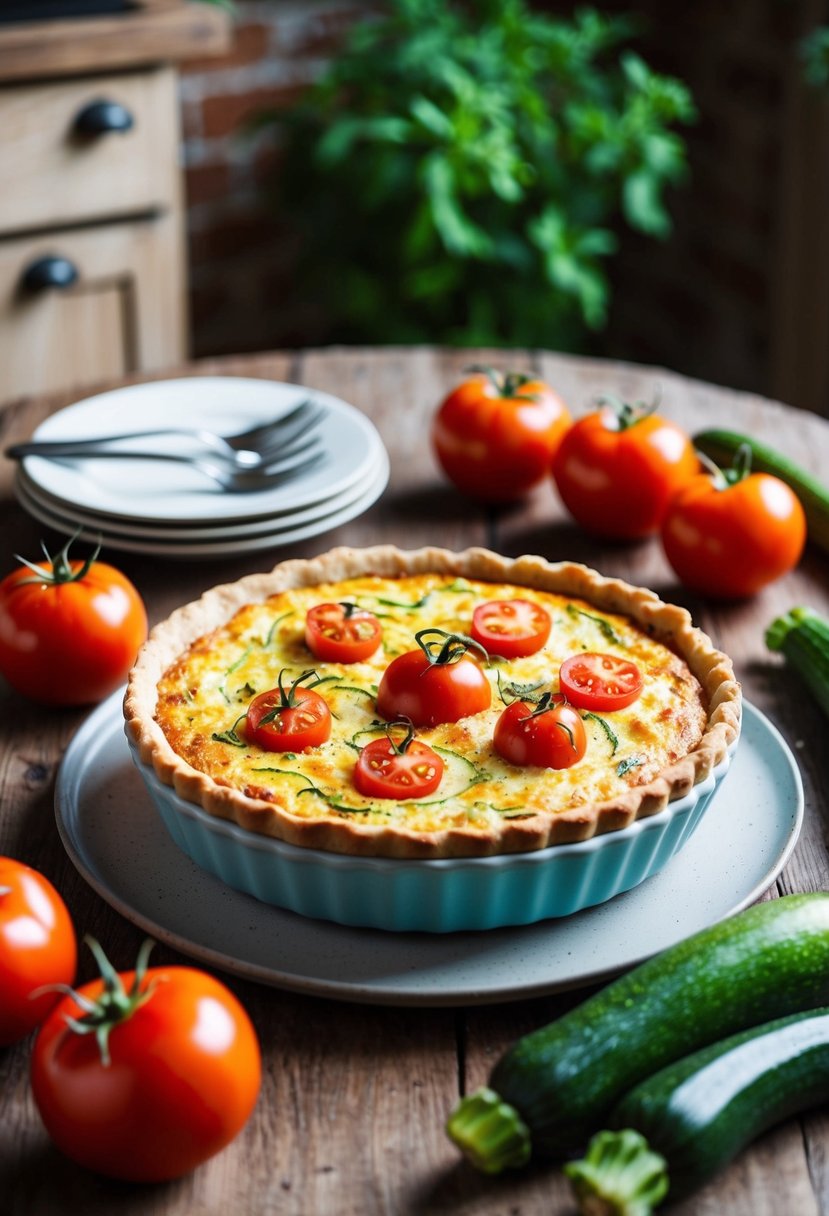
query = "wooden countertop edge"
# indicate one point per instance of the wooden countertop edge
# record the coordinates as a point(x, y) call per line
point(162, 33)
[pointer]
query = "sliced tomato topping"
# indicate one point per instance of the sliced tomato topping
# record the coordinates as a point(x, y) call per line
point(511, 628)
point(385, 770)
point(342, 633)
point(600, 681)
point(291, 720)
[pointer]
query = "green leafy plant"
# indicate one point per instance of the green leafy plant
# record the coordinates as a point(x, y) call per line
point(457, 172)
point(814, 51)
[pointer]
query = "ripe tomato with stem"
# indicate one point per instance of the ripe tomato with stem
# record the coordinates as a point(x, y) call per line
point(545, 733)
point(436, 682)
point(143, 1075)
point(730, 532)
point(618, 467)
point(69, 629)
point(495, 435)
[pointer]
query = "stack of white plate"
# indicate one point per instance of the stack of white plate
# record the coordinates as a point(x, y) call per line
point(170, 509)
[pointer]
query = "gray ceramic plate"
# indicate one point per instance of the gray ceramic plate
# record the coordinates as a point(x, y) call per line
point(117, 841)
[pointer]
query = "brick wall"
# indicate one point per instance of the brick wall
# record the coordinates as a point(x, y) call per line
point(703, 303)
point(240, 260)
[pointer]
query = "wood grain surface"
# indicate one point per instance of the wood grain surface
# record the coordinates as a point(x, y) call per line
point(354, 1097)
point(161, 31)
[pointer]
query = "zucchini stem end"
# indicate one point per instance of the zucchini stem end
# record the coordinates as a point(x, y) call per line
point(619, 1175)
point(490, 1132)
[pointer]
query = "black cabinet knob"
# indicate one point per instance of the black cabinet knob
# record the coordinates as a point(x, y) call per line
point(49, 272)
point(102, 117)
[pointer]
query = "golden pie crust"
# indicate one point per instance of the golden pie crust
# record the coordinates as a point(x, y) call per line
point(194, 675)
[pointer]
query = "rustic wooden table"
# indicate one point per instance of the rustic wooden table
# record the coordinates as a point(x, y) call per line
point(354, 1097)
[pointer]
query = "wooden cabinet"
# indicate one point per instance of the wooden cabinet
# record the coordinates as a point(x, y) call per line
point(92, 261)
point(122, 312)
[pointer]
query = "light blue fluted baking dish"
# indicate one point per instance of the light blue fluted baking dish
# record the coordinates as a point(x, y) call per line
point(441, 896)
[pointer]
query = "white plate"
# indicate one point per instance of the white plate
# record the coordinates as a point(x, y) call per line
point(29, 493)
point(149, 490)
point(225, 546)
point(116, 839)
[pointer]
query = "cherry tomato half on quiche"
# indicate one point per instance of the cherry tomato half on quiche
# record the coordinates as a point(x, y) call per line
point(511, 628)
point(600, 682)
point(167, 1077)
point(437, 682)
point(495, 435)
point(617, 468)
point(289, 719)
point(37, 948)
point(406, 768)
point(342, 633)
point(69, 630)
point(547, 734)
point(729, 533)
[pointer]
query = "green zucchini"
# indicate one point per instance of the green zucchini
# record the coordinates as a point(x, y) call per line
point(803, 637)
point(555, 1087)
point(678, 1128)
point(722, 447)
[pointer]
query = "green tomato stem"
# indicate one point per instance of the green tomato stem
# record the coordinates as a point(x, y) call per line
point(506, 384)
point(739, 470)
point(114, 1005)
point(61, 569)
point(447, 647)
point(628, 413)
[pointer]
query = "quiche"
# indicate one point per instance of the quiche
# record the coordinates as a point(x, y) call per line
point(195, 698)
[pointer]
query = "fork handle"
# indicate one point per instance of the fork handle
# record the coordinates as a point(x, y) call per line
point(49, 450)
point(88, 447)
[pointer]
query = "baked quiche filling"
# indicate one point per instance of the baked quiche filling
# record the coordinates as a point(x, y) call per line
point(203, 699)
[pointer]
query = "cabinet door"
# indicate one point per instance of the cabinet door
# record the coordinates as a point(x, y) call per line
point(120, 308)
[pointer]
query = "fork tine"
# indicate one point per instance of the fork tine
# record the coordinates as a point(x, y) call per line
point(293, 442)
point(265, 479)
point(285, 426)
point(309, 453)
point(248, 460)
point(301, 425)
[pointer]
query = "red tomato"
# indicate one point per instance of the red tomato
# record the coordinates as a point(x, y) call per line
point(549, 734)
point(342, 633)
point(437, 683)
point(288, 721)
point(37, 947)
point(617, 468)
point(600, 681)
point(409, 769)
point(729, 540)
point(174, 1082)
point(69, 630)
point(511, 628)
point(495, 436)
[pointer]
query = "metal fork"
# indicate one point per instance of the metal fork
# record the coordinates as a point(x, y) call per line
point(236, 481)
point(297, 448)
point(251, 449)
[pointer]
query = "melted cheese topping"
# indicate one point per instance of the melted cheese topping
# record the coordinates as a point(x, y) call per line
point(202, 700)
